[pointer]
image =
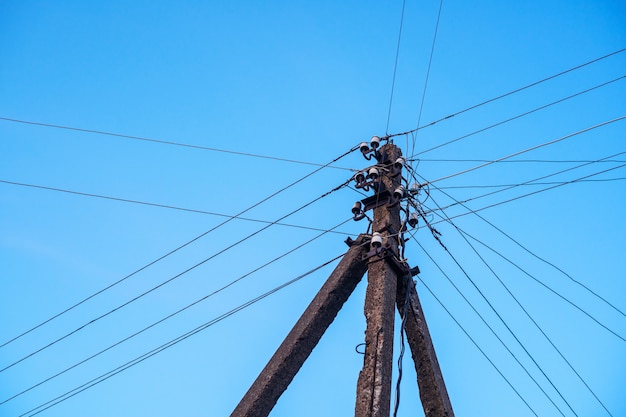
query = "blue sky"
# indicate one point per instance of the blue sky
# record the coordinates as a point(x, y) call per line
point(306, 82)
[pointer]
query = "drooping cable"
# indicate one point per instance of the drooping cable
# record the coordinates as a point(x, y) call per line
point(143, 294)
point(175, 250)
point(204, 298)
point(511, 92)
point(95, 381)
point(405, 309)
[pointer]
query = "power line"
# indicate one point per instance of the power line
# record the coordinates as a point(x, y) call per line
point(167, 142)
point(166, 206)
point(174, 313)
point(177, 249)
point(467, 334)
point(530, 317)
point(506, 326)
point(167, 345)
point(170, 279)
point(510, 93)
point(514, 161)
point(532, 148)
point(430, 61)
point(395, 67)
point(413, 155)
point(532, 182)
point(526, 184)
point(445, 217)
point(475, 212)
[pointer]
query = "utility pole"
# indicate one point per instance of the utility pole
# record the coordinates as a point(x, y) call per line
point(390, 285)
point(374, 384)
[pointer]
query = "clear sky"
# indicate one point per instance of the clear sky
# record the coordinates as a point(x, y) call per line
point(306, 82)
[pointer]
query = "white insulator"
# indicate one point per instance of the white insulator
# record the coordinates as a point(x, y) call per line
point(375, 142)
point(359, 177)
point(356, 208)
point(377, 240)
point(364, 147)
point(399, 163)
point(373, 173)
point(399, 192)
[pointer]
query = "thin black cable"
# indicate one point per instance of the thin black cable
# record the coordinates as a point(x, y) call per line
point(484, 320)
point(531, 182)
point(167, 345)
point(509, 93)
point(405, 309)
point(551, 161)
point(464, 331)
point(166, 206)
point(532, 148)
point(475, 212)
point(445, 217)
point(170, 279)
point(501, 320)
point(430, 61)
point(534, 322)
point(395, 67)
point(167, 142)
point(571, 278)
point(413, 154)
point(456, 187)
point(173, 314)
point(176, 249)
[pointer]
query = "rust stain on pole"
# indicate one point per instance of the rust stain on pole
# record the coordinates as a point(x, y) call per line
point(374, 384)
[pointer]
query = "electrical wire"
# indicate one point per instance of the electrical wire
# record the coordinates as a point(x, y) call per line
point(551, 161)
point(169, 280)
point(452, 187)
point(395, 67)
point(534, 322)
point(95, 381)
point(167, 142)
point(445, 217)
point(413, 154)
point(598, 296)
point(532, 148)
point(177, 249)
point(485, 321)
point(510, 93)
point(474, 211)
point(465, 331)
point(532, 182)
point(166, 206)
point(430, 61)
point(204, 298)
